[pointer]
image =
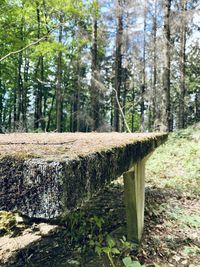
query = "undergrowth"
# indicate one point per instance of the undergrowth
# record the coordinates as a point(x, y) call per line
point(176, 164)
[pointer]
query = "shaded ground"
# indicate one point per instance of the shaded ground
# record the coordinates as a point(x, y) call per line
point(172, 217)
point(171, 235)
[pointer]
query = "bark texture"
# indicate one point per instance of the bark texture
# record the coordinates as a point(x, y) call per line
point(167, 63)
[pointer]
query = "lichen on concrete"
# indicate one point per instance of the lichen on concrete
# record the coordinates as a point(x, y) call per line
point(46, 186)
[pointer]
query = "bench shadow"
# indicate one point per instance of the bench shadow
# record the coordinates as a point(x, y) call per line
point(55, 250)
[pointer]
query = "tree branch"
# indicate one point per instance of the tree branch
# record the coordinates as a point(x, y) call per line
point(31, 44)
point(122, 113)
point(22, 49)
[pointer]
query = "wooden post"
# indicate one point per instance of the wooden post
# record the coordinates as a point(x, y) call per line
point(134, 187)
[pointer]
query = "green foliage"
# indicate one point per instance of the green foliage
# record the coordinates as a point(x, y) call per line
point(10, 223)
point(176, 163)
point(128, 262)
point(191, 250)
point(135, 119)
point(7, 222)
point(89, 233)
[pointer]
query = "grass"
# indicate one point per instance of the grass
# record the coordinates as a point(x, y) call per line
point(176, 164)
point(174, 170)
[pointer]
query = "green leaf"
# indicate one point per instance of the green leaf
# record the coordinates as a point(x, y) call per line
point(110, 241)
point(115, 251)
point(98, 250)
point(106, 250)
point(129, 263)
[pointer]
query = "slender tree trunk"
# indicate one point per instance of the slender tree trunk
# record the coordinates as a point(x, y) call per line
point(1, 102)
point(125, 72)
point(58, 84)
point(39, 77)
point(50, 112)
point(182, 115)
point(15, 105)
point(124, 107)
point(75, 111)
point(19, 88)
point(143, 85)
point(10, 119)
point(133, 111)
point(94, 79)
point(118, 66)
point(197, 105)
point(41, 95)
point(24, 95)
point(71, 117)
point(154, 100)
point(166, 70)
point(112, 111)
point(76, 104)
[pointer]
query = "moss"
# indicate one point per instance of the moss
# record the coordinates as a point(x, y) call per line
point(10, 223)
point(48, 186)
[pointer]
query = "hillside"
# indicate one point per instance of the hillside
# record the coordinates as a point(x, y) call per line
point(173, 179)
point(176, 164)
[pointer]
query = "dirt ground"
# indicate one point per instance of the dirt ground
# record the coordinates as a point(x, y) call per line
point(168, 240)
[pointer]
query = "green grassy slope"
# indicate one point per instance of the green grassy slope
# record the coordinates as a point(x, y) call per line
point(173, 201)
point(176, 164)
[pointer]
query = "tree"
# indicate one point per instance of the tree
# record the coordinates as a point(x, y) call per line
point(118, 64)
point(59, 81)
point(94, 69)
point(166, 68)
point(183, 29)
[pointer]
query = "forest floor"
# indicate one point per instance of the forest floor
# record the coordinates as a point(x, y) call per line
point(172, 219)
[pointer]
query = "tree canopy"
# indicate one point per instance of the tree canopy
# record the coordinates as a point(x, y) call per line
point(99, 65)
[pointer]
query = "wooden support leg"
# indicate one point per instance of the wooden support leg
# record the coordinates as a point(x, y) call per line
point(134, 183)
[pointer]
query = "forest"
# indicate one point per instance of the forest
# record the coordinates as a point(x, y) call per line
point(71, 67)
point(99, 65)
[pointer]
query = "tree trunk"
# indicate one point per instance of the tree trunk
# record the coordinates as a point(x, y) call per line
point(76, 106)
point(182, 118)
point(20, 85)
point(39, 79)
point(50, 112)
point(19, 88)
point(24, 95)
point(58, 84)
point(133, 111)
point(166, 70)
point(143, 85)
point(154, 85)
point(118, 66)
point(94, 86)
point(197, 105)
point(1, 102)
point(124, 97)
point(15, 105)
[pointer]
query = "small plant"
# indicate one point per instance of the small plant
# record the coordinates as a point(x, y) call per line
point(128, 262)
point(126, 246)
point(191, 250)
point(10, 223)
point(109, 249)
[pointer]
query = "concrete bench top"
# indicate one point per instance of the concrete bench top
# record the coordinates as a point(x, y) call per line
point(48, 174)
point(65, 146)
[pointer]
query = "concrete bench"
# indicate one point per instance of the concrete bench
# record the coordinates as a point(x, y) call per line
point(48, 175)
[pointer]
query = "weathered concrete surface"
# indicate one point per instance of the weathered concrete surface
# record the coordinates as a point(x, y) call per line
point(46, 175)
